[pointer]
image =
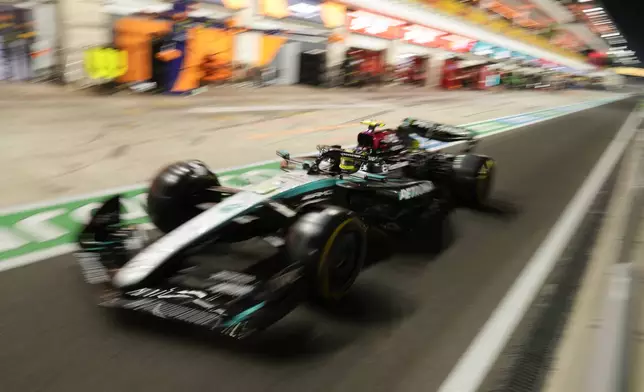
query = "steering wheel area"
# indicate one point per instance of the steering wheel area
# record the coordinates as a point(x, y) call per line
point(334, 160)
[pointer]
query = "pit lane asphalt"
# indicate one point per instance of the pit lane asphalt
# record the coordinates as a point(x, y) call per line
point(403, 328)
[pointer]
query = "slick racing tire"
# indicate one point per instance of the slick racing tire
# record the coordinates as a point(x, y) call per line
point(433, 230)
point(332, 246)
point(473, 177)
point(177, 191)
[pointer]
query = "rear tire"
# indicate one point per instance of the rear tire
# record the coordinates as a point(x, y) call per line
point(176, 192)
point(473, 177)
point(433, 229)
point(332, 245)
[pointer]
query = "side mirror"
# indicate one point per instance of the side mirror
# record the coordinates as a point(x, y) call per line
point(283, 154)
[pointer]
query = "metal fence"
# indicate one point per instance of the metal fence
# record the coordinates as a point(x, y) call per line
point(28, 37)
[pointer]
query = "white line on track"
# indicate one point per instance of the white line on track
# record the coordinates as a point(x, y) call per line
point(478, 359)
point(34, 257)
point(45, 254)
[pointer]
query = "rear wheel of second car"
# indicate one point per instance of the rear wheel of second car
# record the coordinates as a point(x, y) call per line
point(433, 227)
point(473, 177)
point(331, 244)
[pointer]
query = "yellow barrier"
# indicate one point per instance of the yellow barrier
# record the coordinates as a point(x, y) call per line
point(629, 71)
point(477, 17)
point(450, 7)
point(105, 63)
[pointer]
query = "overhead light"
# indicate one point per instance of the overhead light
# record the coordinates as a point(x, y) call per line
point(593, 9)
point(610, 35)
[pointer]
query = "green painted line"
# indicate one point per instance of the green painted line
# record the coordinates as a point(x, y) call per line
point(46, 227)
point(42, 228)
point(482, 128)
point(39, 229)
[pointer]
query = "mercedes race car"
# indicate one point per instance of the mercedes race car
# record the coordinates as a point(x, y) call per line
point(313, 218)
point(407, 150)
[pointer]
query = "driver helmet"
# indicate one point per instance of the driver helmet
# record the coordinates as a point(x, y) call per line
point(350, 164)
point(347, 164)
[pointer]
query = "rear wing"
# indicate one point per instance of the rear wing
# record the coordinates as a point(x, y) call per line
point(437, 131)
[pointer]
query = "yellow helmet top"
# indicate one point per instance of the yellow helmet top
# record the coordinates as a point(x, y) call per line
point(347, 164)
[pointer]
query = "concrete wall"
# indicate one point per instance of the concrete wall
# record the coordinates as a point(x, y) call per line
point(84, 25)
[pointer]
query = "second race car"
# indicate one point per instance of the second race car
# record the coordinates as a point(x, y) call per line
point(407, 151)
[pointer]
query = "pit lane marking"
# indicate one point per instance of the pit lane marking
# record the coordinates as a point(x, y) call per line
point(474, 365)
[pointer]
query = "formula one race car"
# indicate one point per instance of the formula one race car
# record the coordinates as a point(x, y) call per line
point(408, 151)
point(313, 218)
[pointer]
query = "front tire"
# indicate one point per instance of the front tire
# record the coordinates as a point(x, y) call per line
point(177, 191)
point(332, 245)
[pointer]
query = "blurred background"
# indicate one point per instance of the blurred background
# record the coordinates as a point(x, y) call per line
point(146, 45)
point(90, 105)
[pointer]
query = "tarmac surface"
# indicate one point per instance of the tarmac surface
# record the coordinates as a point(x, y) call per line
point(61, 144)
point(406, 323)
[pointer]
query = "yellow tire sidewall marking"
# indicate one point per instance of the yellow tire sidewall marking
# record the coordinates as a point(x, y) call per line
point(323, 259)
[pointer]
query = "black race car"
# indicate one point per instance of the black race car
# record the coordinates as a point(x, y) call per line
point(311, 221)
point(408, 151)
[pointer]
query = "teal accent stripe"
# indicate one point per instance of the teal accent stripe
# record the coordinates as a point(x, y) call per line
point(313, 186)
point(244, 315)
